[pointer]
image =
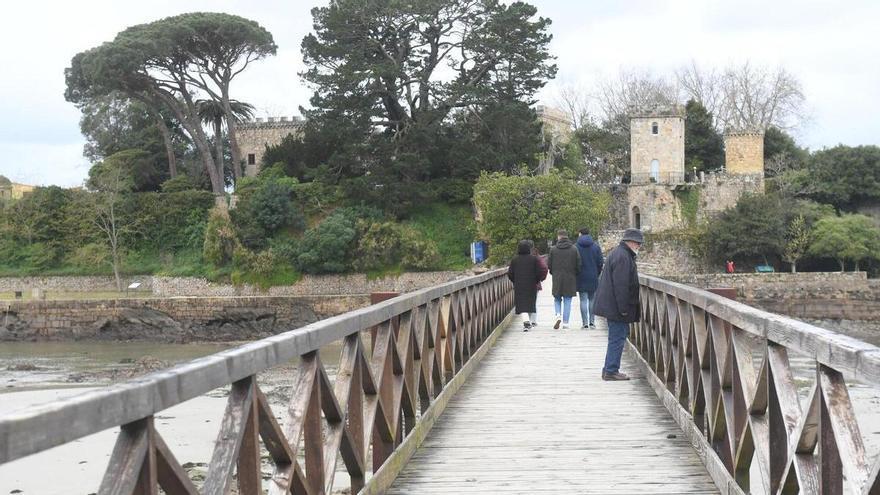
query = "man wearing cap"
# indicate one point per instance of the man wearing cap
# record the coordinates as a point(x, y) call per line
point(617, 299)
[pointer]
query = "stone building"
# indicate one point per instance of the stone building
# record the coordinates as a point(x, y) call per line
point(10, 190)
point(660, 196)
point(254, 136)
point(657, 146)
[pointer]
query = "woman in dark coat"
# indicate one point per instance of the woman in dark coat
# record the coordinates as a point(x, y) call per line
point(526, 271)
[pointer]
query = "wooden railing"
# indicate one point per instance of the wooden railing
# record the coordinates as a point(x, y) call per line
point(723, 369)
point(419, 342)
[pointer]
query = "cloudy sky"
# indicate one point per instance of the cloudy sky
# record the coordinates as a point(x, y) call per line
point(832, 50)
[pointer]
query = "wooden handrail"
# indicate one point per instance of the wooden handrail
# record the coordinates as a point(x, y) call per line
point(722, 368)
point(422, 339)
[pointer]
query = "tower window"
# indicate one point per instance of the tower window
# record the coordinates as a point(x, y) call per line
point(636, 217)
point(252, 159)
point(655, 129)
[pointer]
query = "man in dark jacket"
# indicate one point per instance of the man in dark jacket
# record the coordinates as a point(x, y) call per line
point(564, 263)
point(617, 299)
point(588, 278)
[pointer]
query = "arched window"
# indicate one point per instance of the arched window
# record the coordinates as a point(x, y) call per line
point(637, 218)
point(655, 170)
point(655, 129)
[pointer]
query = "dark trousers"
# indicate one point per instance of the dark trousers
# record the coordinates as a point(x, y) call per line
point(617, 333)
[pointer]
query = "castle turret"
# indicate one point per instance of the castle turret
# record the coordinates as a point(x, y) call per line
point(744, 152)
point(657, 146)
point(254, 136)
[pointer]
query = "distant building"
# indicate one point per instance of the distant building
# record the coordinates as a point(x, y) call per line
point(254, 136)
point(11, 190)
point(660, 196)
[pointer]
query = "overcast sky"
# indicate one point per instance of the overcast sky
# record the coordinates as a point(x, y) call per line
point(832, 50)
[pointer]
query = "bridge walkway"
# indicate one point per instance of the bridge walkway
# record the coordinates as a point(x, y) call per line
point(536, 417)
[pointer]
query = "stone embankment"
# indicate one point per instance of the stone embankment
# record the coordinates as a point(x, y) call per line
point(211, 319)
point(309, 285)
point(208, 312)
point(810, 296)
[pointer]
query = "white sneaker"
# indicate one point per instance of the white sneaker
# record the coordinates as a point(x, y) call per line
point(564, 326)
point(558, 322)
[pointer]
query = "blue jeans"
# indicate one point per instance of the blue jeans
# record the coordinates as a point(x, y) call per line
point(565, 303)
point(617, 333)
point(588, 302)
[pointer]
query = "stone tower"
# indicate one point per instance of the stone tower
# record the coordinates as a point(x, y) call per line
point(254, 136)
point(657, 146)
point(744, 152)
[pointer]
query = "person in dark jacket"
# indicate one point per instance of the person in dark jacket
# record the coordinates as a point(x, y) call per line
point(617, 299)
point(588, 278)
point(564, 263)
point(526, 271)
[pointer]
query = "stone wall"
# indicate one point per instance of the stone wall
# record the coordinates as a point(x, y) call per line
point(720, 191)
point(662, 257)
point(744, 153)
point(169, 319)
point(660, 206)
point(350, 284)
point(70, 284)
point(667, 147)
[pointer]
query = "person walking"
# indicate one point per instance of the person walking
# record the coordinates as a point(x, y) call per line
point(617, 299)
point(588, 278)
point(526, 271)
point(564, 263)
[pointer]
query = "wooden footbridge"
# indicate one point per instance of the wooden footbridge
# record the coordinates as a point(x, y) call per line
point(715, 405)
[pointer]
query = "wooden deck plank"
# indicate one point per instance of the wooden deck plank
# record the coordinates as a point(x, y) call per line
point(536, 417)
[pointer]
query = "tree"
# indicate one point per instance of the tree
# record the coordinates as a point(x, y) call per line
point(110, 183)
point(166, 63)
point(385, 62)
point(778, 142)
point(797, 242)
point(632, 92)
point(753, 230)
point(115, 122)
point(703, 145)
point(213, 113)
point(745, 96)
point(403, 89)
point(845, 176)
point(220, 46)
point(513, 208)
point(846, 238)
point(138, 167)
point(605, 151)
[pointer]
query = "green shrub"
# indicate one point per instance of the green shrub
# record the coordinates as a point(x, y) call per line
point(451, 228)
point(328, 247)
point(265, 205)
point(378, 246)
point(178, 184)
point(92, 255)
point(220, 241)
point(534, 207)
point(418, 253)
